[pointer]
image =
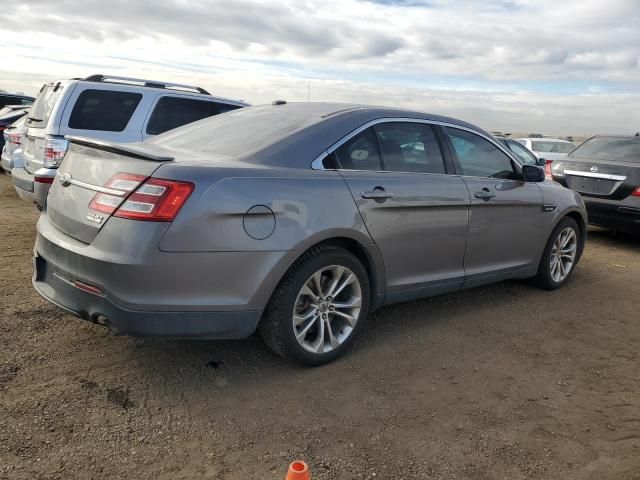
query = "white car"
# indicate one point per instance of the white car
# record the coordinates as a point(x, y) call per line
point(548, 148)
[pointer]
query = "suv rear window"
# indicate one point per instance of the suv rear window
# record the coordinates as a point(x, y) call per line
point(43, 106)
point(104, 110)
point(173, 112)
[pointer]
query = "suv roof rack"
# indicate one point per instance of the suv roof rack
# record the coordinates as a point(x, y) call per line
point(143, 83)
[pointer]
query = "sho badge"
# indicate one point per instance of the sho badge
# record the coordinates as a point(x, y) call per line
point(95, 218)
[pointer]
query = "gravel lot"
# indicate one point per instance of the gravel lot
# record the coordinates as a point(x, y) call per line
point(504, 381)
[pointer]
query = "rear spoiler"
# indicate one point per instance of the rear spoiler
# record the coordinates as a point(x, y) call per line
point(131, 150)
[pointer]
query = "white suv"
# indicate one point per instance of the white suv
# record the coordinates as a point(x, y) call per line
point(117, 109)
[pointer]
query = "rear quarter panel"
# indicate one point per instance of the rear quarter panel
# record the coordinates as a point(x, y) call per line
point(303, 207)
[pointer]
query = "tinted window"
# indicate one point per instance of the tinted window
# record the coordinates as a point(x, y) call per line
point(226, 107)
point(104, 110)
point(525, 156)
point(173, 112)
point(553, 147)
point(620, 149)
point(479, 157)
point(43, 106)
point(360, 152)
point(409, 147)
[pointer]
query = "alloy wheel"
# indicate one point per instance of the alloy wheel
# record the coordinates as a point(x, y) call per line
point(563, 254)
point(327, 309)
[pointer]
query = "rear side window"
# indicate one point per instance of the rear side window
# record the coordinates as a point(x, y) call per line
point(104, 110)
point(360, 152)
point(43, 106)
point(478, 157)
point(409, 147)
point(227, 107)
point(173, 112)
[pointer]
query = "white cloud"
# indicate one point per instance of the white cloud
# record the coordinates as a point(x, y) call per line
point(541, 64)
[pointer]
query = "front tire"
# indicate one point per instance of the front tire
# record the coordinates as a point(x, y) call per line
point(560, 256)
point(319, 306)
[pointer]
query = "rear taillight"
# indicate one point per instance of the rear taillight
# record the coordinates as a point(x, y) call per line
point(547, 169)
point(156, 199)
point(122, 184)
point(54, 150)
point(636, 192)
point(14, 137)
point(137, 197)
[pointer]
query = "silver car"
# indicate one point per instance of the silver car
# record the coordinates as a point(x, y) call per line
point(106, 107)
point(295, 220)
point(548, 148)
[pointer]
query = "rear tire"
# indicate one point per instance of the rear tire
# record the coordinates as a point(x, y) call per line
point(560, 256)
point(318, 308)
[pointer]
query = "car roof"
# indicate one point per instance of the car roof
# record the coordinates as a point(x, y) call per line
point(147, 85)
point(300, 132)
point(546, 139)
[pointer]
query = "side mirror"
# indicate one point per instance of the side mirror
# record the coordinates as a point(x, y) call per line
point(542, 162)
point(531, 173)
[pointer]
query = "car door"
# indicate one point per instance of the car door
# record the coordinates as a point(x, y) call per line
point(416, 213)
point(505, 217)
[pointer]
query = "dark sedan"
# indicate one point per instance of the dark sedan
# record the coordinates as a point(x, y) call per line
point(606, 171)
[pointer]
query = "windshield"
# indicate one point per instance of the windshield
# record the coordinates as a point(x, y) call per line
point(236, 133)
point(42, 107)
point(620, 149)
point(553, 147)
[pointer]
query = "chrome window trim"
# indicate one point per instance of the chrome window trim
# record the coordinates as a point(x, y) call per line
point(96, 188)
point(316, 164)
point(577, 173)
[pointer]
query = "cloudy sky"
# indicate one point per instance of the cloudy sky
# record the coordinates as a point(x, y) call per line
point(566, 67)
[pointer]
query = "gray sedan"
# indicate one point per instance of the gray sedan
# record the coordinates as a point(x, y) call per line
point(295, 220)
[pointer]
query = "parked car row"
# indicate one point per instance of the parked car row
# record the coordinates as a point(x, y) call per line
point(290, 220)
point(118, 109)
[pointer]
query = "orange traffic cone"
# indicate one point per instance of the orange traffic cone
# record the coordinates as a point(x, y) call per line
point(298, 470)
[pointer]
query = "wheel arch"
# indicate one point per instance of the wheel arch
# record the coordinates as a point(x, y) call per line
point(362, 248)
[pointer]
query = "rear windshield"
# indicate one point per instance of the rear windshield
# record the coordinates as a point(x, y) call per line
point(43, 106)
point(104, 110)
point(236, 133)
point(620, 149)
point(553, 147)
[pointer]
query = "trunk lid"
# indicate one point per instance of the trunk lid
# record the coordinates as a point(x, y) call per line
point(614, 180)
point(85, 171)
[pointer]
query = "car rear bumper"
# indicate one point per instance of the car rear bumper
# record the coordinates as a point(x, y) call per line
point(6, 161)
point(28, 189)
point(613, 214)
point(146, 292)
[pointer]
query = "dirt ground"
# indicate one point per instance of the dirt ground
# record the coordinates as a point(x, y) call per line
point(499, 382)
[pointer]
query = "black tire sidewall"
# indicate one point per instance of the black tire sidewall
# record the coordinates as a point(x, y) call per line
point(298, 276)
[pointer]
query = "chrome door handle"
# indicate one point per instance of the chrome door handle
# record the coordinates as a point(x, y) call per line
point(378, 194)
point(485, 194)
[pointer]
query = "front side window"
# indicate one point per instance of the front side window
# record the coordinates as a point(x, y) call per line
point(104, 110)
point(174, 112)
point(478, 157)
point(360, 152)
point(525, 156)
point(409, 147)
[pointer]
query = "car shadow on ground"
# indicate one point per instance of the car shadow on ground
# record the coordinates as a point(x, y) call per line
point(626, 240)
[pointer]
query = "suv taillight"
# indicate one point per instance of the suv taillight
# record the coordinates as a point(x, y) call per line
point(547, 169)
point(13, 137)
point(636, 192)
point(143, 198)
point(54, 150)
